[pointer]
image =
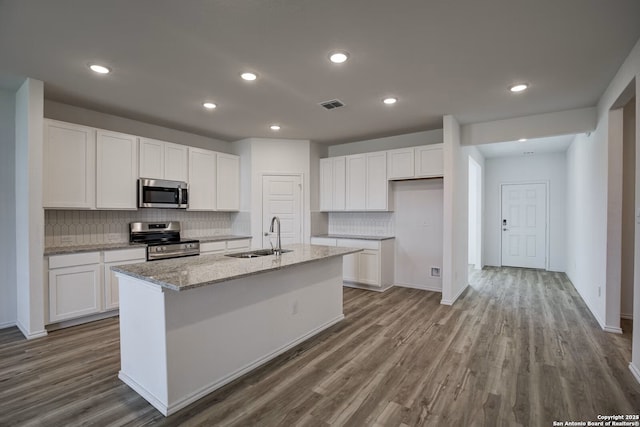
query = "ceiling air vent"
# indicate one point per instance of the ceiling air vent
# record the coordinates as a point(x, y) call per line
point(334, 103)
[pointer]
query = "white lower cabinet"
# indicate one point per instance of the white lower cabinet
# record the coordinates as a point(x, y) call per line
point(75, 286)
point(213, 248)
point(238, 245)
point(374, 266)
point(111, 259)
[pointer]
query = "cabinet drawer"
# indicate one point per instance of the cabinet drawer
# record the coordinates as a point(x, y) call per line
point(238, 244)
point(71, 260)
point(360, 244)
point(324, 241)
point(213, 247)
point(125, 255)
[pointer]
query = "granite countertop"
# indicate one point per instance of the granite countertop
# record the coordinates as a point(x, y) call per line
point(181, 274)
point(353, 237)
point(60, 250)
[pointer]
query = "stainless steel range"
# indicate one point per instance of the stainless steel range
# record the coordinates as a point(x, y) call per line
point(162, 239)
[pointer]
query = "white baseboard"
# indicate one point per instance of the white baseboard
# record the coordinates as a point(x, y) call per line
point(365, 287)
point(635, 371)
point(198, 394)
point(613, 329)
point(81, 320)
point(155, 402)
point(422, 287)
point(7, 325)
point(30, 335)
point(455, 297)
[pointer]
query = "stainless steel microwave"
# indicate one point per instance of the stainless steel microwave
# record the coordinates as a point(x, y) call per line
point(161, 193)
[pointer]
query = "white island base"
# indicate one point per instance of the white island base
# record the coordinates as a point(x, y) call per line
point(176, 347)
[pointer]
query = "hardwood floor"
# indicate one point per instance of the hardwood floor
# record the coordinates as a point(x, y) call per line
point(519, 348)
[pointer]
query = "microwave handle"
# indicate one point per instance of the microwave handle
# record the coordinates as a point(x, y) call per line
point(179, 196)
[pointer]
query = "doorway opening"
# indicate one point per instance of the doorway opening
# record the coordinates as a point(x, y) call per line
point(475, 214)
point(628, 213)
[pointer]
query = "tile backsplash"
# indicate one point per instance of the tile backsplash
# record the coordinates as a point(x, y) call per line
point(362, 223)
point(78, 227)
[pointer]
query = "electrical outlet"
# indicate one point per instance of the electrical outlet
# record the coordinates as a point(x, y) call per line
point(294, 308)
point(435, 271)
point(599, 292)
point(66, 239)
point(113, 237)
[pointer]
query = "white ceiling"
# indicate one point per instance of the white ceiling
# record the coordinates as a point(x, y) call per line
point(438, 57)
point(554, 144)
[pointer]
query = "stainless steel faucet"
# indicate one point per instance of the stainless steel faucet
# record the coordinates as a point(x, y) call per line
point(278, 248)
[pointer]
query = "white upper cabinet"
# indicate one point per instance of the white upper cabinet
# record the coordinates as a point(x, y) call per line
point(326, 184)
point(163, 160)
point(202, 179)
point(377, 186)
point(400, 163)
point(332, 184)
point(429, 161)
point(339, 183)
point(116, 170)
point(176, 161)
point(69, 166)
point(151, 158)
point(228, 182)
point(356, 182)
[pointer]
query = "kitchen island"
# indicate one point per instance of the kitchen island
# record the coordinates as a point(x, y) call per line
point(191, 325)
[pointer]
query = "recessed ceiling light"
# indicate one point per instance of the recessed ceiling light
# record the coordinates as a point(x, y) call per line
point(249, 76)
point(209, 105)
point(519, 87)
point(390, 100)
point(275, 127)
point(522, 139)
point(100, 69)
point(339, 57)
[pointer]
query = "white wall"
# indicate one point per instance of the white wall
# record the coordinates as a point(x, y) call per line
point(587, 203)
point(550, 168)
point(418, 231)
point(455, 220)
point(7, 209)
point(73, 114)
point(628, 208)
point(568, 122)
point(388, 143)
point(29, 212)
point(272, 156)
point(476, 196)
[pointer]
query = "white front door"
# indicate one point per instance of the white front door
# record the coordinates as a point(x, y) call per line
point(524, 225)
point(282, 197)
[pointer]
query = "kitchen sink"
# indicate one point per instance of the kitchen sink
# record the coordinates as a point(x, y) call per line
point(257, 253)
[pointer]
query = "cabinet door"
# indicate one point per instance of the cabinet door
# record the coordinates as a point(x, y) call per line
point(339, 183)
point(213, 247)
point(117, 170)
point(350, 267)
point(400, 163)
point(369, 267)
point(228, 182)
point(429, 161)
point(69, 166)
point(356, 183)
point(377, 185)
point(202, 180)
point(176, 159)
point(74, 292)
point(111, 291)
point(151, 158)
point(326, 184)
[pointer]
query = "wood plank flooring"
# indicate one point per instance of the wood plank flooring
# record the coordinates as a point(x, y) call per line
point(519, 348)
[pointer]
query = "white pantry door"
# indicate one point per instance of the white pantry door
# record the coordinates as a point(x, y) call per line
point(524, 225)
point(282, 197)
